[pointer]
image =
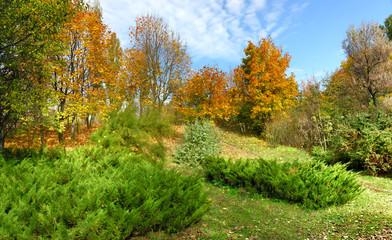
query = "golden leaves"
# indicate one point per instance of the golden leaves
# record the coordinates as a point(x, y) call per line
point(262, 81)
point(89, 76)
point(206, 94)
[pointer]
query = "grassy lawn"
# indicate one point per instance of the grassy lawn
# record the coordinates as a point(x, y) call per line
point(234, 214)
point(236, 146)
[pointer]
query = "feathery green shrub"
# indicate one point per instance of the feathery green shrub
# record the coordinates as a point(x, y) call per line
point(93, 193)
point(312, 184)
point(125, 131)
point(199, 142)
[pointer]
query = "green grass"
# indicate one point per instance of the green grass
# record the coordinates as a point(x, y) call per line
point(235, 214)
point(242, 146)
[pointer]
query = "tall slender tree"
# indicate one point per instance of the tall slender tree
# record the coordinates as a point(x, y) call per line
point(156, 62)
point(369, 57)
point(85, 82)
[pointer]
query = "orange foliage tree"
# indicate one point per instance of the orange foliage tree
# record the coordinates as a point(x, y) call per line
point(206, 95)
point(262, 86)
point(156, 63)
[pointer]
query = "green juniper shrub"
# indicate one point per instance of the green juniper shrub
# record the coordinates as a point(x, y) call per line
point(311, 184)
point(125, 131)
point(199, 142)
point(328, 185)
point(92, 194)
point(325, 156)
point(364, 141)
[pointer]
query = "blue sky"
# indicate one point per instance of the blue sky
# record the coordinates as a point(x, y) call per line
point(217, 31)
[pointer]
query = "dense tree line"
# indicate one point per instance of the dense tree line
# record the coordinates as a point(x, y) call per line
point(60, 64)
point(55, 54)
point(346, 117)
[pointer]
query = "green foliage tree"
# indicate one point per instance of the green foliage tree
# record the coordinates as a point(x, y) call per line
point(26, 34)
point(387, 27)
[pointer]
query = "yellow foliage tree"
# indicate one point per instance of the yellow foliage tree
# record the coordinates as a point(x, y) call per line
point(88, 82)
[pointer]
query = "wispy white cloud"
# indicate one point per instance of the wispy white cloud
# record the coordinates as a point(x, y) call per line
point(258, 4)
point(215, 29)
point(235, 6)
point(298, 7)
point(276, 11)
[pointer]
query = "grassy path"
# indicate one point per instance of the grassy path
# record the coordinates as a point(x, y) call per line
point(236, 146)
point(234, 214)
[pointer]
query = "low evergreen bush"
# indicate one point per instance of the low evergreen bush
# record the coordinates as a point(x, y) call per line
point(364, 141)
point(92, 193)
point(199, 142)
point(312, 184)
point(125, 131)
point(325, 156)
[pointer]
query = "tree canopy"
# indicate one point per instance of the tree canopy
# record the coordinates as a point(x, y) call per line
point(369, 59)
point(262, 86)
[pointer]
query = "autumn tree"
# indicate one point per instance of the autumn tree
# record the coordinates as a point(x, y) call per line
point(115, 88)
point(206, 95)
point(262, 86)
point(26, 35)
point(369, 57)
point(156, 62)
point(88, 79)
point(341, 96)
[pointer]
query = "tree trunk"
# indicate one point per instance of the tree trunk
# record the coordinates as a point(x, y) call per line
point(61, 109)
point(88, 121)
point(92, 120)
point(5, 126)
point(41, 129)
point(73, 127)
point(374, 99)
point(2, 141)
point(42, 133)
